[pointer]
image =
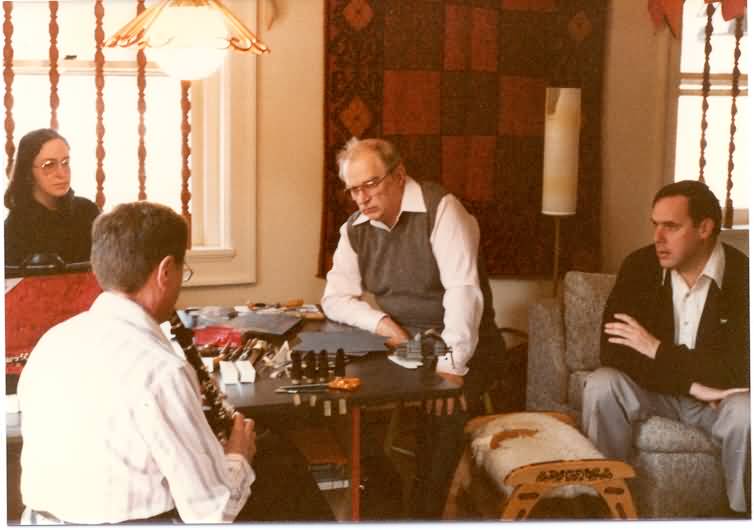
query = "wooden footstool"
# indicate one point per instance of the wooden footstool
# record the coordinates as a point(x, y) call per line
point(512, 461)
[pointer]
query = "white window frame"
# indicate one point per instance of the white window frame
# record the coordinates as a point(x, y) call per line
point(224, 168)
point(223, 163)
point(224, 172)
point(674, 91)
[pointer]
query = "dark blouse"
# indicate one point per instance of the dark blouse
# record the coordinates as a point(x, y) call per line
point(67, 231)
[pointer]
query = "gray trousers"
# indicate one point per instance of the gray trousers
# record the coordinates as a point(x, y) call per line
point(613, 401)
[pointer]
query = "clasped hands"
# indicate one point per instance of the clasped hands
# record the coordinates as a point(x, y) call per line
point(628, 332)
point(387, 327)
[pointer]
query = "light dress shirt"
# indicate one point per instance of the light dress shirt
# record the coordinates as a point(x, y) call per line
point(455, 245)
point(113, 427)
point(688, 302)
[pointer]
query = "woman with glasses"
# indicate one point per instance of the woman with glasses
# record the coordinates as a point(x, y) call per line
point(44, 214)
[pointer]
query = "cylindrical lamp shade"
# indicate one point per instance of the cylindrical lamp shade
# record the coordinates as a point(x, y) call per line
point(561, 153)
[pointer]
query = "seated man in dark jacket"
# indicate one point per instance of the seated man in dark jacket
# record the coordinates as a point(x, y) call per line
point(676, 337)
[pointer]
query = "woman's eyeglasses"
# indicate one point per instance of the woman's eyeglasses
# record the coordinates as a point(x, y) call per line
point(50, 166)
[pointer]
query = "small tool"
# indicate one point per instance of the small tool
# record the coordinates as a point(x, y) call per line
point(294, 389)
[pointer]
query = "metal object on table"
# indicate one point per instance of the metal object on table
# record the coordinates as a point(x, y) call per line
point(295, 389)
point(340, 363)
point(295, 367)
point(426, 347)
point(310, 369)
point(323, 368)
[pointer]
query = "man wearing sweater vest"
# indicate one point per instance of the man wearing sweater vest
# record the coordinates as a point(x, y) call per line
point(415, 248)
point(676, 337)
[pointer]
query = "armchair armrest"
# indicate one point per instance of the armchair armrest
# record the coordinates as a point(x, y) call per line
point(547, 373)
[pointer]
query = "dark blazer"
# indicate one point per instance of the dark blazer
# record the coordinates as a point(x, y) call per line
point(720, 358)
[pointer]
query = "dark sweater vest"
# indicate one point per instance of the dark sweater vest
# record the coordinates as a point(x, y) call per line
point(400, 270)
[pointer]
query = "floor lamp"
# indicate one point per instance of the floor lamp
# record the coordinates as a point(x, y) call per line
point(561, 161)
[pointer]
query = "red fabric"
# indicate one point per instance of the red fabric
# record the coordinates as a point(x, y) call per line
point(468, 164)
point(217, 336)
point(38, 303)
point(412, 102)
point(734, 9)
point(470, 39)
point(671, 11)
point(530, 5)
point(522, 106)
point(458, 86)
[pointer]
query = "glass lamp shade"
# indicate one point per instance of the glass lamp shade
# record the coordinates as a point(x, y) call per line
point(189, 42)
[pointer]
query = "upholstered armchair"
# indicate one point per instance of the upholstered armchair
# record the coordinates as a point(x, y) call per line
point(678, 467)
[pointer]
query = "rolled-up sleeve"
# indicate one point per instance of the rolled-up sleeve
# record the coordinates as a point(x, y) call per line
point(455, 244)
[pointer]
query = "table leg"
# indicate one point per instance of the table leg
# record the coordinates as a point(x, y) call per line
point(355, 463)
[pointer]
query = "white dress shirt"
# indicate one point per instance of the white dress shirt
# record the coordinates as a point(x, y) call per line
point(113, 427)
point(688, 302)
point(455, 245)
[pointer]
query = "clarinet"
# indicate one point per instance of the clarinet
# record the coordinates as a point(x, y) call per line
point(218, 413)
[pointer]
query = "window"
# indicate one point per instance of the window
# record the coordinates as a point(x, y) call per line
point(222, 168)
point(688, 89)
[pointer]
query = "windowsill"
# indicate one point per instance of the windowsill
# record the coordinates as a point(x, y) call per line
point(735, 229)
point(218, 266)
point(199, 254)
point(738, 237)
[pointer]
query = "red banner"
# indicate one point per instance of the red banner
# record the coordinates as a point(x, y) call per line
point(671, 12)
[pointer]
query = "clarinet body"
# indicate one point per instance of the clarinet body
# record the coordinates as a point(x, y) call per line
point(219, 414)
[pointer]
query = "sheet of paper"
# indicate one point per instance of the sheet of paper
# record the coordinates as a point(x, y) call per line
point(404, 362)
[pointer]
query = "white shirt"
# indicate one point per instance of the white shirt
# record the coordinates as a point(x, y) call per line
point(688, 302)
point(455, 245)
point(113, 427)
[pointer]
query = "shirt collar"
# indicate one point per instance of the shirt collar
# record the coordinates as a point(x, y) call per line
point(714, 269)
point(114, 305)
point(412, 201)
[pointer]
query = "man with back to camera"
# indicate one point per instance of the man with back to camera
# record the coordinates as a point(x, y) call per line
point(415, 247)
point(676, 337)
point(113, 427)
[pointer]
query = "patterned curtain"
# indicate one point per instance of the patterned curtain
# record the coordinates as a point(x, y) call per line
point(459, 87)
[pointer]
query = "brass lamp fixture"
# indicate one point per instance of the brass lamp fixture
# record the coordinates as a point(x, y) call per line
point(189, 39)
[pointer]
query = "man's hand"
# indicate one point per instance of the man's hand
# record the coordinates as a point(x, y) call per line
point(387, 327)
point(243, 439)
point(629, 332)
point(437, 404)
point(711, 395)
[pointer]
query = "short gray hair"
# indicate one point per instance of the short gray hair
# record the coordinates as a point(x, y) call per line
point(354, 147)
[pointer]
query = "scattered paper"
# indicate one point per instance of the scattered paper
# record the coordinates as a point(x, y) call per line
point(404, 363)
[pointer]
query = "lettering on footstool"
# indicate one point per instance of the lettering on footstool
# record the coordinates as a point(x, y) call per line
point(586, 474)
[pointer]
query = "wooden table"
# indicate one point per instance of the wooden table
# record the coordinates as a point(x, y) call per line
point(382, 381)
